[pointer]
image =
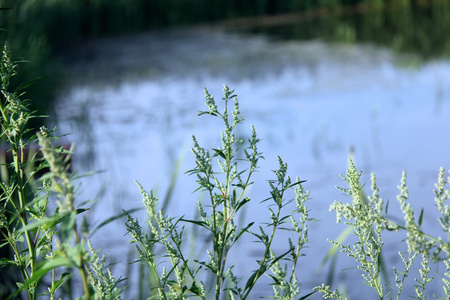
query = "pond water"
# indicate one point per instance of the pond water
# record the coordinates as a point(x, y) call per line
point(131, 107)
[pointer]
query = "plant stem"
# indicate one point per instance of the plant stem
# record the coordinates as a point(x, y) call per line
point(262, 269)
point(18, 162)
point(82, 268)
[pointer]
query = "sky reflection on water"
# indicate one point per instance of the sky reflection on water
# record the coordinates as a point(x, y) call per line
point(310, 102)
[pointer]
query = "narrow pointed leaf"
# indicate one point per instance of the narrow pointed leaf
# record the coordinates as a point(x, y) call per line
point(251, 280)
point(334, 248)
point(241, 203)
point(219, 153)
point(421, 218)
point(207, 113)
point(243, 230)
point(113, 218)
point(296, 183)
point(307, 295)
point(281, 256)
point(199, 223)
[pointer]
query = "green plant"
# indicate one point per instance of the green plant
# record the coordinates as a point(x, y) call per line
point(45, 244)
point(368, 218)
point(39, 221)
point(226, 185)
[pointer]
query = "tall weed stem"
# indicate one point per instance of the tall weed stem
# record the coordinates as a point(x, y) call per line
point(226, 185)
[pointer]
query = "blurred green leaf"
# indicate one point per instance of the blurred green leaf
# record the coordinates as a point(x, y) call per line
point(64, 277)
point(113, 218)
point(44, 223)
point(334, 248)
point(421, 217)
point(306, 296)
point(5, 262)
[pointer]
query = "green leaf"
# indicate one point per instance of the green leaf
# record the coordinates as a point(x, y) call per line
point(296, 183)
point(334, 248)
point(68, 224)
point(219, 153)
point(194, 289)
point(241, 203)
point(250, 281)
point(44, 223)
point(42, 270)
point(307, 295)
point(282, 220)
point(113, 218)
point(27, 84)
point(199, 223)
point(243, 230)
point(5, 262)
point(280, 257)
point(64, 277)
point(258, 236)
point(207, 265)
point(81, 210)
point(421, 218)
point(275, 280)
point(207, 113)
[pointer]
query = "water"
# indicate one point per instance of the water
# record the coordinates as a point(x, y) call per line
point(132, 105)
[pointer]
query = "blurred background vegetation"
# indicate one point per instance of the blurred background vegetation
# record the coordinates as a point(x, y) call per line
point(38, 29)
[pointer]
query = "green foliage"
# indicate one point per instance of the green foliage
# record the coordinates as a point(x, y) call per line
point(38, 238)
point(414, 28)
point(367, 216)
point(367, 219)
point(44, 239)
point(226, 185)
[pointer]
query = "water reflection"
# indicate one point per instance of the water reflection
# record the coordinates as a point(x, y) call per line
point(311, 102)
point(409, 28)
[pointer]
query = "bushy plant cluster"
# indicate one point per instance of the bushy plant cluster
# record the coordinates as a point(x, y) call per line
point(45, 237)
point(368, 217)
point(225, 184)
point(43, 242)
